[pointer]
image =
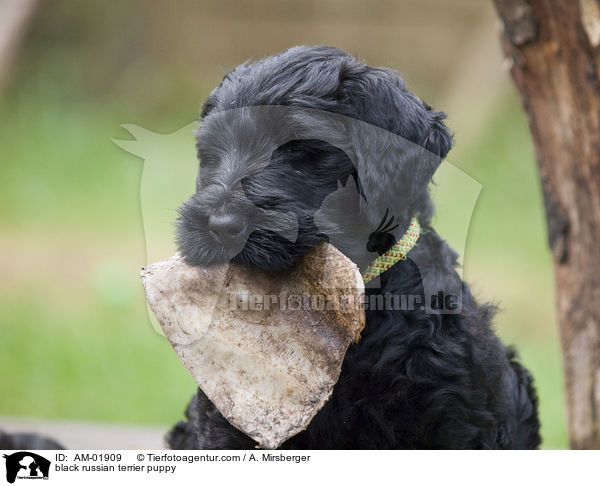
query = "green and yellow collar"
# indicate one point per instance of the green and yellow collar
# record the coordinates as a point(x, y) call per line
point(395, 253)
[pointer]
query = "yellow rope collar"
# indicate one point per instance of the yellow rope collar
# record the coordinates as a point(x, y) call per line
point(395, 253)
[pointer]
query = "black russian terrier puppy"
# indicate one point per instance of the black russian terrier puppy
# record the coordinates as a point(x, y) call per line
point(419, 377)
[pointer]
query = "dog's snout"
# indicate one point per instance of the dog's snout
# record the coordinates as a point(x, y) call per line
point(227, 227)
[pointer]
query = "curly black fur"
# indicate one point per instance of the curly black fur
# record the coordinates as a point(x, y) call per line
point(417, 378)
point(16, 441)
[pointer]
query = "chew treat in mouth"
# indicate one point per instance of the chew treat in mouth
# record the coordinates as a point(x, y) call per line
point(266, 348)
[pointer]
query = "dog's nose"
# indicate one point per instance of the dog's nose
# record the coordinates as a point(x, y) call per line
point(227, 227)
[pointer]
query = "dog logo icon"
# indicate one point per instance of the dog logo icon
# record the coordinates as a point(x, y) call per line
point(26, 465)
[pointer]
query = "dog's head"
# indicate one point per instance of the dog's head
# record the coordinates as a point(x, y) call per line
point(306, 146)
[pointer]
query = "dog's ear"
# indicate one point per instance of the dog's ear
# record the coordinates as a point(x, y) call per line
point(207, 107)
point(379, 96)
point(439, 141)
point(400, 157)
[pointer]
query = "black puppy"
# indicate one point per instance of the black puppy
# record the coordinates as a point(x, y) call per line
point(312, 145)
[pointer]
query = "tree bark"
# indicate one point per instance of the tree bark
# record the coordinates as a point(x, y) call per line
point(554, 47)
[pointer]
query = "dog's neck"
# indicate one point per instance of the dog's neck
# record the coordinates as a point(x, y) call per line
point(396, 253)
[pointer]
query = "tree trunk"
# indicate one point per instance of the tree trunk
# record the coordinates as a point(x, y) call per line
point(553, 47)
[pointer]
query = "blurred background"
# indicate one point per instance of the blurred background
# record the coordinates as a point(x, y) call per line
point(76, 342)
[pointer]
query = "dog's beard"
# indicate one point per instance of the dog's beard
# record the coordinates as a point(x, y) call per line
point(269, 251)
point(260, 247)
point(263, 249)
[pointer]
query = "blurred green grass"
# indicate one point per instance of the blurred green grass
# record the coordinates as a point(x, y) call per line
point(75, 338)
